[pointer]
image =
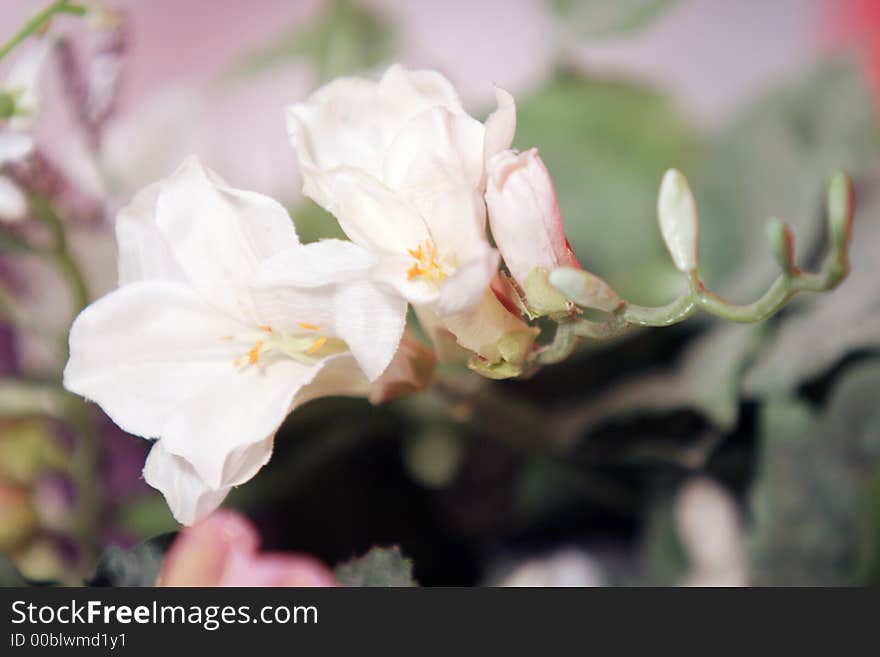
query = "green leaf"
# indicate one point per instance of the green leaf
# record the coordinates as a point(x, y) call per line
point(138, 566)
point(607, 145)
point(813, 486)
point(378, 567)
point(9, 574)
point(344, 38)
point(607, 18)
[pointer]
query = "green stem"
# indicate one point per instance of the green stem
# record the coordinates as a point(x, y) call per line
point(37, 22)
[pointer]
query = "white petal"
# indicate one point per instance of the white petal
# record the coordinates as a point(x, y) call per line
point(466, 287)
point(370, 320)
point(14, 145)
point(13, 203)
point(391, 270)
point(415, 91)
point(435, 151)
point(457, 223)
point(316, 264)
point(146, 348)
point(219, 235)
point(500, 126)
point(372, 215)
point(241, 408)
point(351, 121)
point(188, 497)
point(144, 253)
point(341, 376)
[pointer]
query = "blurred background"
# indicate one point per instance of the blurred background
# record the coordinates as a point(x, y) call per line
point(706, 453)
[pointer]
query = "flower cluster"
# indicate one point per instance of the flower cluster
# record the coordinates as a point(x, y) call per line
point(224, 322)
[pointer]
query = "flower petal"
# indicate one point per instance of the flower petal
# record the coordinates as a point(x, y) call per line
point(500, 126)
point(370, 320)
point(319, 263)
point(143, 252)
point(435, 151)
point(371, 215)
point(524, 215)
point(200, 556)
point(188, 497)
point(146, 348)
point(219, 235)
point(467, 286)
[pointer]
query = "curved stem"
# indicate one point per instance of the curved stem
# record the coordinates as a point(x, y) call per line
point(39, 21)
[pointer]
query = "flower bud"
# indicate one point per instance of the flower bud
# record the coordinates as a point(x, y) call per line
point(677, 213)
point(584, 288)
point(524, 215)
point(840, 208)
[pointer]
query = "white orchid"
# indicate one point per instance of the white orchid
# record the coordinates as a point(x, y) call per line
point(401, 165)
point(221, 325)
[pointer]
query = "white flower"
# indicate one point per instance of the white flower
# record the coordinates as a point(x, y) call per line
point(402, 167)
point(221, 325)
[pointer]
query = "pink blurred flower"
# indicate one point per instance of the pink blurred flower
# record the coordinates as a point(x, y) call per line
point(222, 551)
point(856, 23)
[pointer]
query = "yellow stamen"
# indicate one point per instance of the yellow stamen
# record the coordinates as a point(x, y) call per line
point(308, 327)
point(427, 264)
point(266, 328)
point(253, 355)
point(317, 344)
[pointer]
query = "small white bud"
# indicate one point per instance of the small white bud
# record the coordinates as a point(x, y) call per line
point(677, 213)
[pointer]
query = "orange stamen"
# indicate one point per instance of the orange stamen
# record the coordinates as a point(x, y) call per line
point(317, 344)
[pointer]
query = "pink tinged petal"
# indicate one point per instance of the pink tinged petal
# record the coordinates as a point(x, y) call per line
point(14, 146)
point(143, 252)
point(188, 497)
point(219, 235)
point(147, 348)
point(13, 202)
point(411, 371)
point(201, 554)
point(480, 328)
point(500, 126)
point(524, 215)
point(468, 285)
point(276, 569)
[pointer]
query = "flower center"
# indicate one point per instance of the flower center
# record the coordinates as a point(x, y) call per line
point(428, 265)
point(304, 345)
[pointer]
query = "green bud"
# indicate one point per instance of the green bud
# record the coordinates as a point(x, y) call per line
point(782, 242)
point(585, 289)
point(541, 297)
point(841, 201)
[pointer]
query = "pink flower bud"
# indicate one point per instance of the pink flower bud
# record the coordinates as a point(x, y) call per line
point(524, 215)
point(222, 551)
